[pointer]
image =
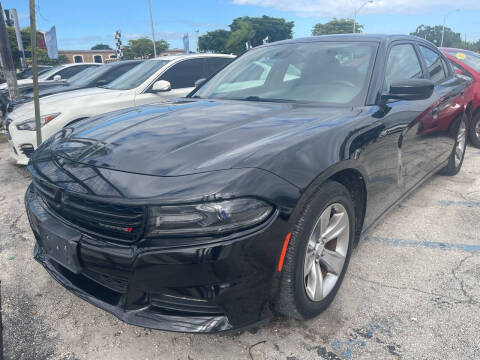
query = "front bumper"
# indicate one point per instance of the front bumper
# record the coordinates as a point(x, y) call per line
point(203, 288)
point(18, 140)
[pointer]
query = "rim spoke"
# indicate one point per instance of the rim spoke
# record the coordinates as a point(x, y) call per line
point(325, 219)
point(333, 261)
point(332, 229)
point(319, 285)
point(459, 153)
point(309, 262)
point(337, 225)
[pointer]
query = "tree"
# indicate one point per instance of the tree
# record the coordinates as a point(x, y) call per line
point(434, 35)
point(143, 48)
point(238, 38)
point(336, 26)
point(214, 41)
point(251, 30)
point(42, 57)
point(101, 47)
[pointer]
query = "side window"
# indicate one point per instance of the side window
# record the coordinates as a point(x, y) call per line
point(185, 73)
point(116, 72)
point(402, 64)
point(215, 64)
point(434, 64)
point(68, 72)
point(447, 68)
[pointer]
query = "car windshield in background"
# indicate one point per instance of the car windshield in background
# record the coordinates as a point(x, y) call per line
point(326, 72)
point(84, 77)
point(49, 73)
point(133, 78)
point(468, 58)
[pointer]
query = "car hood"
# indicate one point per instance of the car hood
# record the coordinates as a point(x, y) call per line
point(56, 102)
point(189, 137)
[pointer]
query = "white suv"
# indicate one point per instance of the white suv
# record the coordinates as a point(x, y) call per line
point(157, 80)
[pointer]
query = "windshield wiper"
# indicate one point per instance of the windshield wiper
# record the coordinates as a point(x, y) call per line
point(258, 98)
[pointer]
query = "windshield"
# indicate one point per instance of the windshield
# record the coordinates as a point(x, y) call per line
point(50, 72)
point(85, 77)
point(135, 77)
point(469, 58)
point(326, 72)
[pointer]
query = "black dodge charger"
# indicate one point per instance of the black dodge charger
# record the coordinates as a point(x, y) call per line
point(247, 196)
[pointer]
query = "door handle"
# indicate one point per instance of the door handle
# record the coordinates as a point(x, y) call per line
point(435, 113)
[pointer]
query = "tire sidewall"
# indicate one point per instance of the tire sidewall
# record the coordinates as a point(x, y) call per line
point(319, 203)
point(472, 136)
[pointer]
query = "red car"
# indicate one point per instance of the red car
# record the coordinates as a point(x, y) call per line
point(468, 63)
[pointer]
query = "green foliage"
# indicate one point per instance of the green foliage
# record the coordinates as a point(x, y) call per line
point(243, 33)
point(434, 35)
point(243, 30)
point(214, 41)
point(42, 57)
point(336, 26)
point(143, 48)
point(101, 47)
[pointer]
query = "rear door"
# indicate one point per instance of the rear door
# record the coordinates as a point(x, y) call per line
point(440, 130)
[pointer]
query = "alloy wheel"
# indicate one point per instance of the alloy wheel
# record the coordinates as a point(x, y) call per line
point(461, 139)
point(326, 252)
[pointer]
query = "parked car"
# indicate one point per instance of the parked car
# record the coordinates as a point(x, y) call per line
point(91, 77)
point(468, 63)
point(53, 77)
point(27, 73)
point(156, 80)
point(247, 196)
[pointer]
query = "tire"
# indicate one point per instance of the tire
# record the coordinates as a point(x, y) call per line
point(457, 155)
point(474, 130)
point(294, 298)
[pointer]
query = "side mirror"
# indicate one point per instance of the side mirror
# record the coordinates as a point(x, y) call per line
point(161, 86)
point(57, 77)
point(200, 82)
point(458, 71)
point(411, 89)
point(101, 83)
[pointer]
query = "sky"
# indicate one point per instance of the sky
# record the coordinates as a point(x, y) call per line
point(82, 24)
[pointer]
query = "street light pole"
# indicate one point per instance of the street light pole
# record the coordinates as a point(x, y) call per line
point(443, 27)
point(355, 13)
point(153, 31)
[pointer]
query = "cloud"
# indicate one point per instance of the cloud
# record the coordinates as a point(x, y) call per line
point(345, 8)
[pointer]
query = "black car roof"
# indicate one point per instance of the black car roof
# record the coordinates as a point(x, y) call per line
point(354, 37)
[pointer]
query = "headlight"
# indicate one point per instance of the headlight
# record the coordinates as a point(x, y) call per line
point(32, 126)
point(207, 218)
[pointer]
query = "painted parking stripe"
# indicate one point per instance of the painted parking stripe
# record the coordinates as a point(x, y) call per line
point(425, 244)
point(459, 202)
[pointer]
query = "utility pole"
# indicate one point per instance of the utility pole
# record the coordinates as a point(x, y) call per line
point(36, 102)
point(443, 27)
point(7, 59)
point(355, 13)
point(153, 31)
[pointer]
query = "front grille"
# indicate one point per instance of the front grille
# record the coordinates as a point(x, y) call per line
point(27, 149)
point(114, 283)
point(101, 219)
point(182, 305)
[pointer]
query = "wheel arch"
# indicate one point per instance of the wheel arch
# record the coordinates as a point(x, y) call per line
point(351, 175)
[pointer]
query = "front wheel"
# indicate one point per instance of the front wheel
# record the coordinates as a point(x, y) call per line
point(318, 253)
point(474, 131)
point(457, 155)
